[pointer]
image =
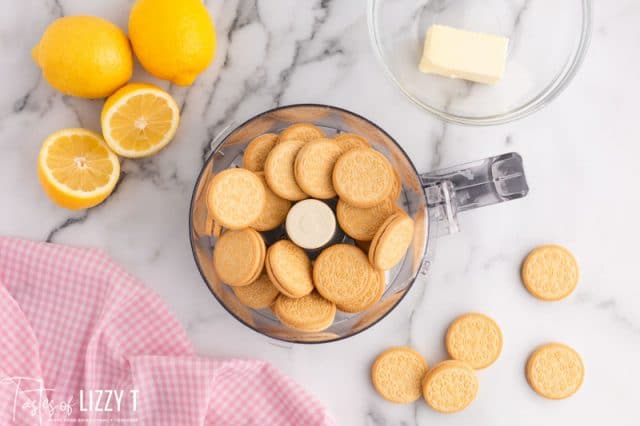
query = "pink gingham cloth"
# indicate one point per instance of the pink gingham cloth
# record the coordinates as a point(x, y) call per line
point(73, 321)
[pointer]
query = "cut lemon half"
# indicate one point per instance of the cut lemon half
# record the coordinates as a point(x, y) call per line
point(139, 120)
point(77, 169)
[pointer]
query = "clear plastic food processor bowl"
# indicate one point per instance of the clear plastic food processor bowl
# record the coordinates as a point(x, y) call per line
point(431, 199)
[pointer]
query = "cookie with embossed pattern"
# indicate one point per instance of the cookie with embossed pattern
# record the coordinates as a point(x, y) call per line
point(362, 223)
point(304, 132)
point(341, 273)
point(363, 177)
point(555, 371)
point(274, 281)
point(289, 269)
point(279, 170)
point(235, 198)
point(274, 211)
point(370, 296)
point(397, 374)
point(257, 151)
point(348, 141)
point(474, 338)
point(450, 386)
point(397, 185)
point(238, 256)
point(310, 313)
point(391, 241)
point(313, 167)
point(259, 294)
point(550, 272)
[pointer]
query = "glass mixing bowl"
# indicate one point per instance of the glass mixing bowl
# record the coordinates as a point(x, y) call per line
point(431, 199)
point(547, 43)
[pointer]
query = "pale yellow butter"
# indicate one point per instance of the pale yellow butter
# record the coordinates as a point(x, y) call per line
point(464, 54)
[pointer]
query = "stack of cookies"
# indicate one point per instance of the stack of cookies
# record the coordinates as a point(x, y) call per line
point(280, 170)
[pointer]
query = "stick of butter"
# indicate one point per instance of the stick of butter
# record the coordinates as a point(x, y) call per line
point(464, 54)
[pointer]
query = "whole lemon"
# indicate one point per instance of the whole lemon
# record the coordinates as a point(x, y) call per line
point(84, 56)
point(174, 40)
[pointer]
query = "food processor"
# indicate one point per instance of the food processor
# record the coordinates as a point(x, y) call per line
point(433, 199)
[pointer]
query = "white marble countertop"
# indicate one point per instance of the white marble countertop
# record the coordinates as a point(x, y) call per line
point(579, 155)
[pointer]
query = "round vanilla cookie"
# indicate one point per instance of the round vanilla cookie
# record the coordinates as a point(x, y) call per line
point(304, 132)
point(391, 241)
point(235, 198)
point(308, 313)
point(363, 177)
point(259, 294)
point(274, 211)
point(555, 371)
point(348, 141)
point(269, 272)
point(371, 295)
point(342, 273)
point(313, 167)
point(397, 374)
point(310, 224)
point(362, 223)
point(397, 186)
point(238, 256)
point(450, 386)
point(257, 151)
point(279, 172)
point(289, 269)
point(201, 218)
point(474, 338)
point(550, 272)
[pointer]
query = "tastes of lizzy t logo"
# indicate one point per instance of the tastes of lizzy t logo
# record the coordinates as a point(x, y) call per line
point(28, 396)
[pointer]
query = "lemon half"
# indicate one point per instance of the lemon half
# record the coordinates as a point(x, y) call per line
point(77, 169)
point(139, 120)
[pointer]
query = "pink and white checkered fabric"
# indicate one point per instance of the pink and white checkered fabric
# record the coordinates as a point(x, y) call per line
point(80, 336)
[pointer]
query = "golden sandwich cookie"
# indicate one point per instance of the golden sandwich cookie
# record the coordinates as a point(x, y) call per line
point(370, 296)
point(397, 186)
point(235, 198)
point(397, 374)
point(289, 269)
point(304, 132)
point(238, 256)
point(555, 371)
point(342, 273)
point(450, 386)
point(274, 211)
point(313, 167)
point(362, 223)
point(257, 151)
point(363, 177)
point(308, 313)
point(550, 272)
point(279, 170)
point(348, 141)
point(259, 294)
point(391, 241)
point(474, 338)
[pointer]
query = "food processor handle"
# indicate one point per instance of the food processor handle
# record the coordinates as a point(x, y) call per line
point(472, 185)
